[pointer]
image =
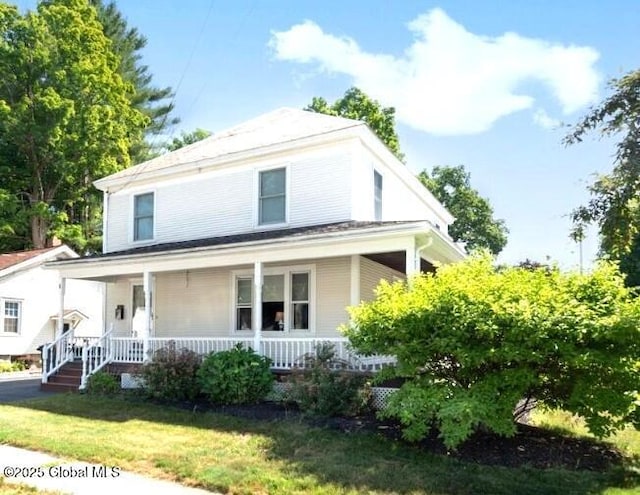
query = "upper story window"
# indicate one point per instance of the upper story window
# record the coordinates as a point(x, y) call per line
point(143, 217)
point(377, 196)
point(11, 314)
point(273, 197)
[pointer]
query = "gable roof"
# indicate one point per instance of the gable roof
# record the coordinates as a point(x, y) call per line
point(279, 126)
point(10, 259)
point(18, 260)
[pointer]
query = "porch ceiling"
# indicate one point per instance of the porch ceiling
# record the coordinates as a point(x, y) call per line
point(284, 245)
point(397, 261)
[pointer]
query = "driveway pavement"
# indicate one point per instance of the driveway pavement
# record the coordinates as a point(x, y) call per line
point(46, 472)
point(20, 388)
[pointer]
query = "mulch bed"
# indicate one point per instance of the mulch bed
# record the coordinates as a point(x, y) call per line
point(530, 446)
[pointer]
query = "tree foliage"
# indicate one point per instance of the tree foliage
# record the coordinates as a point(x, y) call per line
point(615, 204)
point(474, 224)
point(154, 102)
point(65, 120)
point(187, 138)
point(355, 104)
point(472, 341)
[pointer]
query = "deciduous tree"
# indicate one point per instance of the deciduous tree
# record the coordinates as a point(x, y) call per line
point(474, 224)
point(355, 104)
point(65, 119)
point(615, 203)
point(187, 138)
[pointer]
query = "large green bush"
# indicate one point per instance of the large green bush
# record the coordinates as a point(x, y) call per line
point(171, 374)
point(103, 383)
point(473, 341)
point(236, 376)
point(324, 386)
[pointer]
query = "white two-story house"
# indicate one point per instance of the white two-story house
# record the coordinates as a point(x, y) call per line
point(262, 234)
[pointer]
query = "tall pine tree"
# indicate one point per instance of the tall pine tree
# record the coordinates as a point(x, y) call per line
point(152, 101)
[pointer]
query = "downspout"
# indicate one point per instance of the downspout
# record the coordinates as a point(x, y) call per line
point(419, 250)
point(103, 288)
point(105, 216)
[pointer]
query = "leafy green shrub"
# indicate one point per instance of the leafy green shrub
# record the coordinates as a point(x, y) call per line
point(324, 387)
point(8, 366)
point(103, 383)
point(473, 341)
point(236, 376)
point(171, 374)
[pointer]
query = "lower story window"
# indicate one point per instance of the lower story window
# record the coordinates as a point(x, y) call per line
point(11, 317)
point(285, 301)
point(244, 288)
point(300, 301)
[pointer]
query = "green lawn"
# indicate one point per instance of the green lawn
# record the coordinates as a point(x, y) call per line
point(235, 455)
point(20, 489)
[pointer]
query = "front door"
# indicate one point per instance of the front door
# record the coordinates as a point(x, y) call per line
point(138, 310)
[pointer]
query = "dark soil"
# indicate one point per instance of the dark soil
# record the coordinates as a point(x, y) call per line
point(530, 446)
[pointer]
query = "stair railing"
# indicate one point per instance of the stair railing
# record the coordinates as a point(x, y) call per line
point(96, 356)
point(56, 354)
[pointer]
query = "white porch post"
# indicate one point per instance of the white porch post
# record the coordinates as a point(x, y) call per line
point(63, 287)
point(355, 280)
point(257, 306)
point(412, 265)
point(146, 281)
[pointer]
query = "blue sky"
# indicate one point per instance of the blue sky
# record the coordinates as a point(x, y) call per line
point(484, 84)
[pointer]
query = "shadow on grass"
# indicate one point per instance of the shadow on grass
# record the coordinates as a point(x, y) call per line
point(358, 462)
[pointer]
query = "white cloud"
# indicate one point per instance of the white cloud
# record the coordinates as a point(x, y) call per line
point(544, 120)
point(450, 81)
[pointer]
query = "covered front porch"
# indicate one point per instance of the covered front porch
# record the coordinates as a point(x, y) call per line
point(284, 353)
point(280, 293)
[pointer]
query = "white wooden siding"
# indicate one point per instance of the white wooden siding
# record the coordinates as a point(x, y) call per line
point(333, 280)
point(198, 303)
point(399, 202)
point(193, 304)
point(371, 273)
point(224, 202)
point(119, 293)
point(37, 289)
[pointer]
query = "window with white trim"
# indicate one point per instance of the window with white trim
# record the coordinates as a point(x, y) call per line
point(286, 301)
point(377, 196)
point(300, 301)
point(244, 298)
point(11, 315)
point(272, 199)
point(143, 217)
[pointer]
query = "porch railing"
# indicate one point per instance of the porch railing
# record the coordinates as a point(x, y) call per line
point(79, 343)
point(95, 356)
point(56, 354)
point(285, 353)
point(130, 350)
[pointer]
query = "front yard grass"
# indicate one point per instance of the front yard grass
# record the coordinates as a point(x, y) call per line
point(234, 455)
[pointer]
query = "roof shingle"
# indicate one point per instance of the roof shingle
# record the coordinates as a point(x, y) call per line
point(10, 259)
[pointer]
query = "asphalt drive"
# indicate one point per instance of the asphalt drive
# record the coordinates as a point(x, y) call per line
point(20, 389)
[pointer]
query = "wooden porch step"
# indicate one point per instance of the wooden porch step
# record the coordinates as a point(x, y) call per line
point(66, 379)
point(59, 387)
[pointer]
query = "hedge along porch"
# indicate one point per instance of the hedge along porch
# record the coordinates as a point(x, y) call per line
point(279, 292)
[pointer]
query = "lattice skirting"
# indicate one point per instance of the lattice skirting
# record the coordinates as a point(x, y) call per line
point(130, 381)
point(380, 395)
